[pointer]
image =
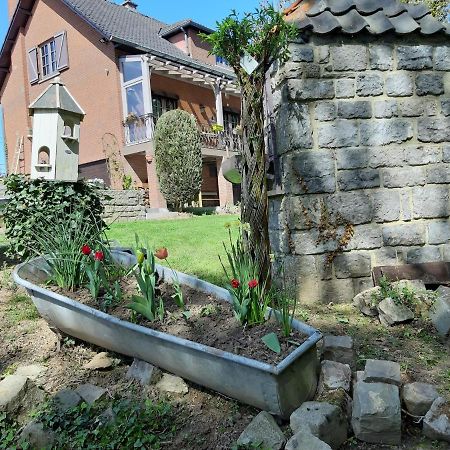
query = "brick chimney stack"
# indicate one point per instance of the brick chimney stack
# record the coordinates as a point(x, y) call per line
point(129, 4)
point(11, 7)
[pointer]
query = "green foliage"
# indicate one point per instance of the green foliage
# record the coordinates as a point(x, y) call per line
point(34, 202)
point(284, 309)
point(439, 8)
point(178, 157)
point(272, 342)
point(8, 431)
point(20, 308)
point(127, 182)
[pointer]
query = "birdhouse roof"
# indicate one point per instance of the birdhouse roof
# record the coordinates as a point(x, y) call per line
point(56, 96)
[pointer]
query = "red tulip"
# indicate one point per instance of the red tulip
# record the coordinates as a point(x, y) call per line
point(99, 256)
point(86, 250)
point(252, 284)
point(235, 283)
point(162, 253)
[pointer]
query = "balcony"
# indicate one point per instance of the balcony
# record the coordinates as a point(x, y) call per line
point(140, 129)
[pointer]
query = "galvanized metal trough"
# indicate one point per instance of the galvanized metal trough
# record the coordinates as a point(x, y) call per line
point(277, 389)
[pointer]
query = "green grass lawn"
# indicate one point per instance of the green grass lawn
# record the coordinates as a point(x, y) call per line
point(194, 244)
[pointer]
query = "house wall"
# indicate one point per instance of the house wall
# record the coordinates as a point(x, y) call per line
point(179, 41)
point(363, 135)
point(200, 49)
point(11, 7)
point(96, 87)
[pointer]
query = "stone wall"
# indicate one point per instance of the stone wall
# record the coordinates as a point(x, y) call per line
point(363, 132)
point(124, 205)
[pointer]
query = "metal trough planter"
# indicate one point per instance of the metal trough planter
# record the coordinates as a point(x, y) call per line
point(277, 389)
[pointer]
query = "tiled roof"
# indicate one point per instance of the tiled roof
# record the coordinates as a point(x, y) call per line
point(167, 31)
point(355, 16)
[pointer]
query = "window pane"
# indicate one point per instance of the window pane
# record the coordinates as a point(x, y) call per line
point(131, 70)
point(135, 99)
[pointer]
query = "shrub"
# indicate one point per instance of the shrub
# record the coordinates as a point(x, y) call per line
point(178, 157)
point(32, 203)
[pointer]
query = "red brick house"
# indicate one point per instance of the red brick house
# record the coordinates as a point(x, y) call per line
point(125, 69)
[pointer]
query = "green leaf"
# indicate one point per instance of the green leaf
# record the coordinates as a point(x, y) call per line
point(271, 340)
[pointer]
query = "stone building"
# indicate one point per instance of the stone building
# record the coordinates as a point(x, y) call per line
point(362, 119)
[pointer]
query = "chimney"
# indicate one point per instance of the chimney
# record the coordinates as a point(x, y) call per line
point(11, 7)
point(129, 4)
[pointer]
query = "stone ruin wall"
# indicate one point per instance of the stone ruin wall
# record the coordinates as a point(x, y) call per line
point(363, 126)
point(124, 206)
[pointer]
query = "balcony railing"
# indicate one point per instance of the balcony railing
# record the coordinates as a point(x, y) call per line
point(139, 129)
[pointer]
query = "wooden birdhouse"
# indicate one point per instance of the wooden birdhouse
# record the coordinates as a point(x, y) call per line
point(56, 134)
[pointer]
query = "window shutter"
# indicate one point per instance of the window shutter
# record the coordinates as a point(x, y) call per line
point(62, 54)
point(33, 72)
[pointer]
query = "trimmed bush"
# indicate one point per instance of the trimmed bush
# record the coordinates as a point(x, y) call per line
point(178, 157)
point(33, 202)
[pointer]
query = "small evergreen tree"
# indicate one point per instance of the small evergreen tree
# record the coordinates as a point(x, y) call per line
point(178, 157)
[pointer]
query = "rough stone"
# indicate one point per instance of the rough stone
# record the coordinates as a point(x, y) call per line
point(438, 232)
point(429, 84)
point(90, 393)
point(386, 206)
point(339, 349)
point(143, 372)
point(349, 180)
point(37, 436)
point(446, 154)
point(33, 371)
point(419, 155)
point(401, 177)
point(376, 416)
point(354, 109)
point(438, 174)
point(301, 53)
point(405, 234)
point(380, 371)
point(416, 57)
point(440, 312)
point(100, 361)
point(351, 158)
point(436, 423)
point(422, 255)
point(369, 85)
point(264, 431)
point(325, 421)
point(366, 237)
point(445, 106)
point(416, 107)
point(383, 132)
point(66, 399)
point(385, 157)
point(345, 88)
point(399, 85)
point(310, 89)
point(442, 58)
point(172, 384)
point(349, 57)
point(418, 397)
point(430, 202)
point(352, 265)
point(385, 109)
point(107, 417)
point(325, 111)
point(381, 57)
point(306, 441)
point(335, 375)
point(365, 301)
point(392, 313)
point(340, 133)
point(434, 130)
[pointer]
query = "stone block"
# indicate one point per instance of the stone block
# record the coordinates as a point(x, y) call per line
point(321, 53)
point(352, 265)
point(345, 88)
point(366, 237)
point(442, 58)
point(349, 57)
point(381, 371)
point(381, 57)
point(436, 423)
point(311, 70)
point(307, 243)
point(434, 130)
point(354, 110)
point(446, 154)
point(386, 256)
point(338, 134)
point(334, 375)
point(385, 109)
point(386, 205)
point(365, 301)
point(392, 313)
point(301, 53)
point(438, 174)
point(293, 127)
point(401, 177)
point(405, 234)
point(385, 157)
point(66, 399)
point(172, 384)
point(340, 349)
point(431, 202)
point(352, 158)
point(445, 252)
point(418, 397)
point(415, 57)
point(429, 84)
point(439, 232)
point(418, 155)
point(263, 430)
point(310, 89)
point(440, 312)
point(36, 436)
point(385, 131)
point(376, 416)
point(369, 85)
point(358, 179)
point(399, 84)
point(304, 440)
point(337, 291)
point(325, 111)
point(416, 107)
point(445, 106)
point(325, 421)
point(422, 255)
point(143, 372)
point(90, 393)
point(354, 207)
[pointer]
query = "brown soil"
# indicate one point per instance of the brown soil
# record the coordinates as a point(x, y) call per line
point(211, 322)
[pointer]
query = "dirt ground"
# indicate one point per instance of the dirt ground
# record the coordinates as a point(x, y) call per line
point(206, 419)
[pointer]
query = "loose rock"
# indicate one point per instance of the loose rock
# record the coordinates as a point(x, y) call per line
point(306, 441)
point(100, 361)
point(364, 301)
point(340, 349)
point(392, 313)
point(436, 423)
point(440, 312)
point(143, 372)
point(264, 431)
point(418, 397)
point(325, 421)
point(33, 371)
point(379, 371)
point(171, 383)
point(90, 393)
point(107, 417)
point(376, 416)
point(335, 375)
point(66, 399)
point(36, 436)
